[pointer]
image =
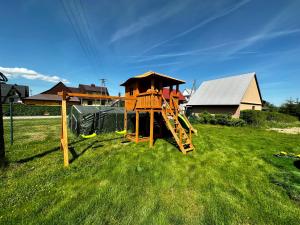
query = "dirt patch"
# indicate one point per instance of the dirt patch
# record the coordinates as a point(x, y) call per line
point(291, 130)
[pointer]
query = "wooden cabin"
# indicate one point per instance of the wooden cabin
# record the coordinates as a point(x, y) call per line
point(147, 90)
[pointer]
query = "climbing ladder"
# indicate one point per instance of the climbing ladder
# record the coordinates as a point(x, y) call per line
point(183, 140)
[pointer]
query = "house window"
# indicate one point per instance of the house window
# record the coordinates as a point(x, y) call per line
point(131, 91)
point(253, 107)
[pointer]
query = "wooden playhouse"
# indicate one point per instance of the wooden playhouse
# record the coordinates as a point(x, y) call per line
point(144, 93)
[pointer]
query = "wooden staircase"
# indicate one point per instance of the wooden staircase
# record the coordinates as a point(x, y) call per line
point(183, 140)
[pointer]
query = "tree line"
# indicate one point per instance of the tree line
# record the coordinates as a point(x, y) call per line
point(290, 107)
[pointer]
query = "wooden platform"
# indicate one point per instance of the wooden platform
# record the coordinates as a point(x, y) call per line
point(132, 137)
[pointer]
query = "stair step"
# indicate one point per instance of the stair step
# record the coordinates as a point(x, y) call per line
point(189, 149)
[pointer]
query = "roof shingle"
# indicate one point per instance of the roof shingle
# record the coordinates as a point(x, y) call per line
point(224, 91)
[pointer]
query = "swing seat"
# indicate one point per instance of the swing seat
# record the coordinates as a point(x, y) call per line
point(88, 136)
point(122, 132)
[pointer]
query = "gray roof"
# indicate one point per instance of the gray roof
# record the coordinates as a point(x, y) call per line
point(94, 88)
point(21, 89)
point(224, 91)
point(50, 97)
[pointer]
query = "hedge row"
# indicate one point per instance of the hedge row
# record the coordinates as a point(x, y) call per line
point(32, 110)
point(260, 118)
point(222, 119)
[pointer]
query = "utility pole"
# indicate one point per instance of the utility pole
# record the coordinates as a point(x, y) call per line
point(3, 80)
point(194, 86)
point(103, 82)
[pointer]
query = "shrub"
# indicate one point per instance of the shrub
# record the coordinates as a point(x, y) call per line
point(33, 110)
point(235, 122)
point(206, 117)
point(222, 119)
point(260, 118)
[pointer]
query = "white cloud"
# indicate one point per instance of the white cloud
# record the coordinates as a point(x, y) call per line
point(30, 75)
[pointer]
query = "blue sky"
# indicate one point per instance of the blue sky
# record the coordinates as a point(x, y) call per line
point(81, 41)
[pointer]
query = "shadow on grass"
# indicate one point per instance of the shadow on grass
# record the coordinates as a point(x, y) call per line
point(91, 145)
point(40, 155)
point(71, 149)
point(297, 164)
point(4, 163)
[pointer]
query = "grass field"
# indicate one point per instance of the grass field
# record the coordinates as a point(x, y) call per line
point(232, 178)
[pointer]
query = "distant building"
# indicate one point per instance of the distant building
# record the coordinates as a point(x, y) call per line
point(166, 94)
point(50, 96)
point(187, 93)
point(228, 95)
point(14, 91)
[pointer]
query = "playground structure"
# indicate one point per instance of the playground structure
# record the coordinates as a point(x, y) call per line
point(143, 93)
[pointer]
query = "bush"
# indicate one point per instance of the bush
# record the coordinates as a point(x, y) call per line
point(235, 122)
point(32, 110)
point(260, 118)
point(222, 119)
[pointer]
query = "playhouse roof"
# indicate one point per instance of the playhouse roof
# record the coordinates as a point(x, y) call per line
point(167, 80)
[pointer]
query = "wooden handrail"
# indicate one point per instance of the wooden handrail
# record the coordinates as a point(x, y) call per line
point(148, 93)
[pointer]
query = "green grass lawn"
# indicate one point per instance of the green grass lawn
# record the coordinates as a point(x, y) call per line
point(231, 178)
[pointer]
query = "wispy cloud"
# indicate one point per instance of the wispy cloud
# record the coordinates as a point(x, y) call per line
point(149, 20)
point(30, 75)
point(157, 65)
point(201, 24)
point(199, 51)
point(280, 25)
point(262, 36)
point(221, 50)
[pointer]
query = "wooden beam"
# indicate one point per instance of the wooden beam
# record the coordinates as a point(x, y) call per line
point(91, 96)
point(137, 126)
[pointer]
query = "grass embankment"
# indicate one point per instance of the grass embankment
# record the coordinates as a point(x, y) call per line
point(232, 178)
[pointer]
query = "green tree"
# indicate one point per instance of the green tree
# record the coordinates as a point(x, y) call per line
point(291, 107)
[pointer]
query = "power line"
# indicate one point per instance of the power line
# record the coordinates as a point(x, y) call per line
point(78, 33)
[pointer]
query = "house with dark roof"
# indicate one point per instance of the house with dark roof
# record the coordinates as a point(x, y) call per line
point(13, 91)
point(228, 95)
point(50, 97)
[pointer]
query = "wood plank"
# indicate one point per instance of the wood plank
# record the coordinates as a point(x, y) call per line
point(91, 96)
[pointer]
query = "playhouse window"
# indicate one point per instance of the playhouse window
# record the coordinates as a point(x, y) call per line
point(131, 91)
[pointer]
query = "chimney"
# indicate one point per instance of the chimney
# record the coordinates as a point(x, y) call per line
point(92, 85)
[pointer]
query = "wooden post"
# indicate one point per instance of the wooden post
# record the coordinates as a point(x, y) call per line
point(125, 119)
point(151, 127)
point(170, 96)
point(64, 139)
point(152, 83)
point(151, 116)
point(177, 100)
point(137, 126)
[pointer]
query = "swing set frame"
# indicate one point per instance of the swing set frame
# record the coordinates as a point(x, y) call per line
point(64, 145)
